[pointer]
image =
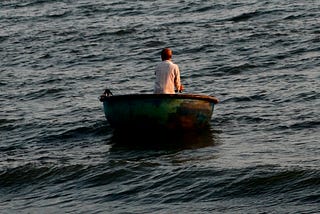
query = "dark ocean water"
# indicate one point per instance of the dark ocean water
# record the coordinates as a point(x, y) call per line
point(58, 153)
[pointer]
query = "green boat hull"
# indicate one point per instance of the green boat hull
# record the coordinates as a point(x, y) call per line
point(150, 111)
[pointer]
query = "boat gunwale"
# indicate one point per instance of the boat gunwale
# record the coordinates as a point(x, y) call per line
point(152, 96)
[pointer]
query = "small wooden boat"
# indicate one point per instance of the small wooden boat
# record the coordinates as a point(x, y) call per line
point(165, 111)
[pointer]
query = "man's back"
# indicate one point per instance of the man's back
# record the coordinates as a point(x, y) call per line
point(167, 77)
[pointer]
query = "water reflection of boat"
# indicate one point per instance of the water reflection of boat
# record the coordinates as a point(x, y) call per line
point(164, 111)
point(163, 139)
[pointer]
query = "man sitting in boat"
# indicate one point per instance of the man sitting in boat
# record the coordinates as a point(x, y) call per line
point(167, 75)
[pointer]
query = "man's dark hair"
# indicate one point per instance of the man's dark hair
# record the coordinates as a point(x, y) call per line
point(166, 54)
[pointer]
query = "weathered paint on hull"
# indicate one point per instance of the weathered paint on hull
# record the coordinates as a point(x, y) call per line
point(158, 111)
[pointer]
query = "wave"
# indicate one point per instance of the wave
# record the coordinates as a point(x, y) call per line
point(192, 184)
point(303, 125)
point(244, 16)
point(249, 98)
point(45, 92)
point(79, 131)
point(13, 179)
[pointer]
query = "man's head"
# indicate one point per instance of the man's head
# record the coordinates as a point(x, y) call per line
point(166, 54)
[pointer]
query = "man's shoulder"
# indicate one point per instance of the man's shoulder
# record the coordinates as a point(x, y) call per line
point(174, 65)
point(168, 62)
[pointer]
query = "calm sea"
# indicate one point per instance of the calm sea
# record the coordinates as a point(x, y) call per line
point(58, 153)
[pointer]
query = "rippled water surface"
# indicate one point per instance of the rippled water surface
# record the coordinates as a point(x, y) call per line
point(58, 153)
